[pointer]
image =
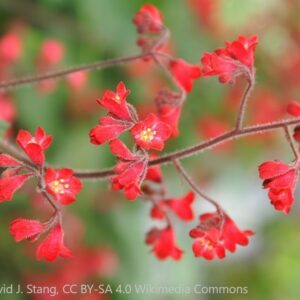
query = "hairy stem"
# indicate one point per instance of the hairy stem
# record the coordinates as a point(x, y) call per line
point(167, 158)
point(244, 101)
point(16, 83)
point(290, 141)
point(193, 185)
point(186, 152)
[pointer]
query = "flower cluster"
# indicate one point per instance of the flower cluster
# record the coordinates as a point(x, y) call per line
point(281, 180)
point(149, 24)
point(215, 234)
point(163, 240)
point(58, 186)
point(150, 133)
point(237, 58)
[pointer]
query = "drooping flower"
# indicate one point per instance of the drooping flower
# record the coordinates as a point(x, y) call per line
point(130, 169)
point(217, 233)
point(235, 59)
point(207, 244)
point(109, 128)
point(164, 243)
point(115, 102)
point(230, 234)
point(280, 179)
point(151, 133)
point(185, 73)
point(148, 19)
point(62, 185)
point(182, 206)
point(169, 106)
point(27, 229)
point(34, 146)
point(53, 246)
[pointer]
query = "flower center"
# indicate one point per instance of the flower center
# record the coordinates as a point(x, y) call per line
point(147, 135)
point(207, 243)
point(117, 98)
point(59, 186)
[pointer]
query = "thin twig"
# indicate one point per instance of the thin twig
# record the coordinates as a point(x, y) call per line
point(194, 186)
point(228, 136)
point(244, 101)
point(19, 82)
point(290, 141)
point(186, 152)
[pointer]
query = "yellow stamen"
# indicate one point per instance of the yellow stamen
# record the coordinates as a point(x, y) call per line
point(117, 98)
point(147, 135)
point(58, 187)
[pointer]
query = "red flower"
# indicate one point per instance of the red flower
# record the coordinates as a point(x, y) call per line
point(22, 229)
point(34, 146)
point(243, 49)
point(215, 234)
point(148, 19)
point(217, 64)
point(281, 179)
point(158, 211)
point(10, 47)
point(131, 169)
point(169, 106)
point(182, 206)
point(235, 59)
point(207, 244)
point(185, 73)
point(108, 129)
point(9, 185)
point(115, 102)
point(230, 234)
point(164, 244)
point(151, 133)
point(293, 108)
point(52, 52)
point(62, 185)
point(170, 115)
point(53, 246)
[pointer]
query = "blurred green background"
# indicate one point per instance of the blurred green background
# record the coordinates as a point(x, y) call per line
point(93, 30)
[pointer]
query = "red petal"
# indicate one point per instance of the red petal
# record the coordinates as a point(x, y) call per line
point(8, 186)
point(7, 161)
point(22, 229)
point(120, 150)
point(35, 153)
point(53, 246)
point(271, 169)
